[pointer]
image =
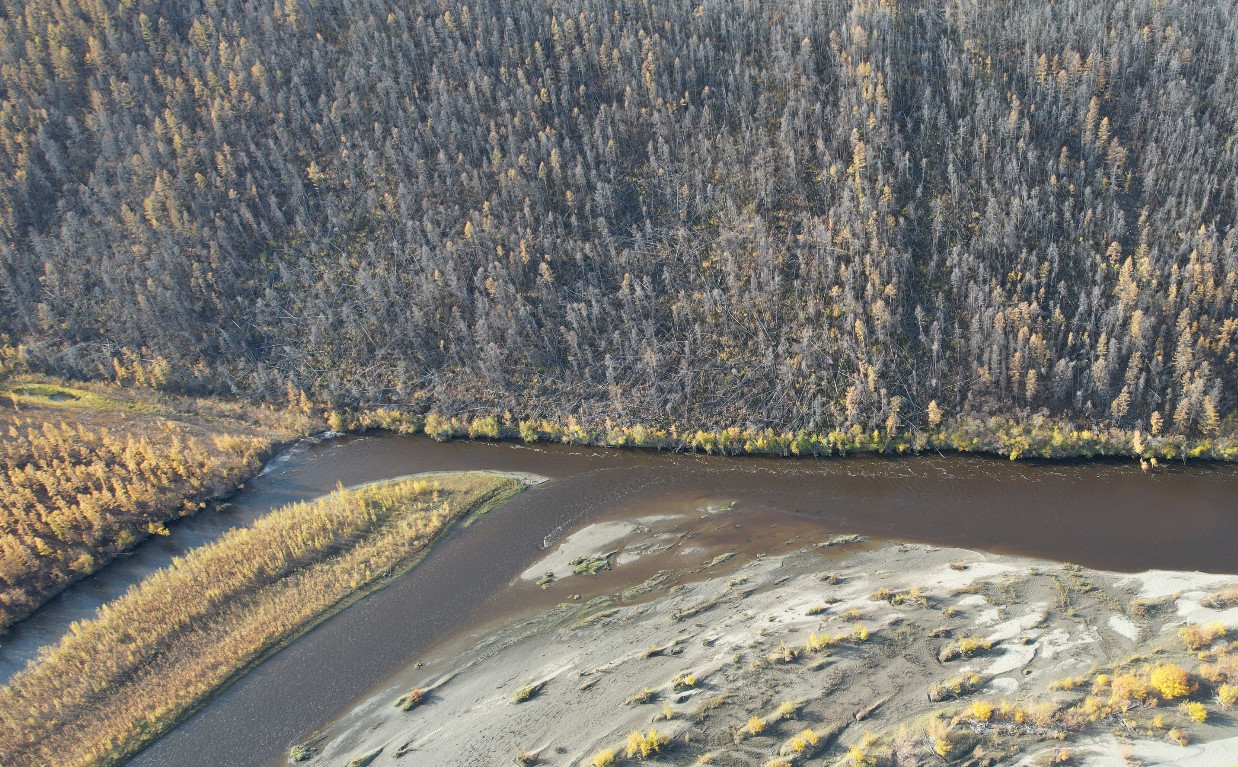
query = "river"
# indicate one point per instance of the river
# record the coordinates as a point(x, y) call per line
point(1105, 515)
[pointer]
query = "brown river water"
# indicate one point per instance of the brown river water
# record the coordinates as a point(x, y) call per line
point(1105, 515)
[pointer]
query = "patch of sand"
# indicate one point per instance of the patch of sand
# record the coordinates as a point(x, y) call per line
point(1155, 584)
point(1120, 624)
point(735, 633)
point(978, 568)
point(1010, 629)
point(594, 539)
point(1108, 751)
point(1189, 590)
point(1011, 659)
point(1191, 611)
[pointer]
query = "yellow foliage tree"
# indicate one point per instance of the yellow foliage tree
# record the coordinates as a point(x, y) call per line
point(1170, 681)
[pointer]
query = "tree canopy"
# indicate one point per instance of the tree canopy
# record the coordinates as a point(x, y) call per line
point(792, 213)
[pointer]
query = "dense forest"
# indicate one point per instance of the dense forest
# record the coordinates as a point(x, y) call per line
point(791, 214)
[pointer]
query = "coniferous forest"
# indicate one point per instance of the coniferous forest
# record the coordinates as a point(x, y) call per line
point(794, 214)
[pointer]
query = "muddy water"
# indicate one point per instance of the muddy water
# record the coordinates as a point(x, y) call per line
point(1107, 516)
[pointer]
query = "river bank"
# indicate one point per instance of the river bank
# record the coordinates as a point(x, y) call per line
point(1029, 436)
point(90, 472)
point(300, 472)
point(893, 654)
point(981, 503)
point(152, 657)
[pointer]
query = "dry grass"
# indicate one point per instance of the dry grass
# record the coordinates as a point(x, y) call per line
point(1198, 636)
point(1227, 597)
point(684, 682)
point(527, 692)
point(411, 699)
point(644, 746)
point(805, 741)
point(964, 647)
point(956, 687)
point(603, 758)
point(119, 681)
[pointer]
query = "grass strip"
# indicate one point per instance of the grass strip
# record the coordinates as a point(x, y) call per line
point(150, 658)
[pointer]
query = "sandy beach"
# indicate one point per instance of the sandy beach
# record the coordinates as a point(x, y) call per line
point(828, 651)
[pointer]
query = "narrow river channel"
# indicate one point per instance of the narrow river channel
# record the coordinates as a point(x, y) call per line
point(1105, 515)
